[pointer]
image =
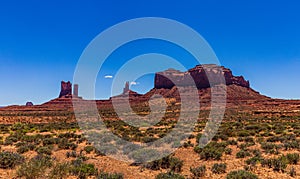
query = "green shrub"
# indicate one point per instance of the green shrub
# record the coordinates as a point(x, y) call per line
point(83, 170)
point(242, 154)
point(10, 159)
point(213, 151)
point(89, 149)
point(71, 154)
point(244, 133)
point(198, 171)
point(279, 164)
point(10, 140)
point(63, 143)
point(169, 175)
point(44, 150)
point(104, 175)
point(198, 149)
point(25, 148)
point(219, 168)
point(60, 170)
point(241, 174)
point(187, 144)
point(228, 151)
point(291, 145)
point(256, 153)
point(175, 164)
point(232, 142)
point(50, 141)
point(35, 168)
point(270, 147)
point(214, 154)
point(293, 158)
point(254, 160)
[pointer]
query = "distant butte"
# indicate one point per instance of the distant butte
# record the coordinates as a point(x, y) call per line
point(66, 89)
point(199, 75)
point(241, 98)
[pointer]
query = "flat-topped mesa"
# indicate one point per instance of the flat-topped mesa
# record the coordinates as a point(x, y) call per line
point(200, 75)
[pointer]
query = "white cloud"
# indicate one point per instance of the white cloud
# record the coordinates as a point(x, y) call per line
point(134, 83)
point(108, 76)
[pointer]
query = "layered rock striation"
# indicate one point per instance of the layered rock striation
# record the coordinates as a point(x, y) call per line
point(203, 76)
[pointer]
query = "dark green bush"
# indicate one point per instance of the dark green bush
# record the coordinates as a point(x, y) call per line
point(84, 170)
point(25, 148)
point(10, 159)
point(10, 140)
point(60, 170)
point(242, 154)
point(270, 147)
point(241, 174)
point(89, 149)
point(214, 154)
point(243, 133)
point(64, 143)
point(35, 168)
point(228, 151)
point(71, 154)
point(293, 158)
point(50, 141)
point(213, 151)
point(170, 162)
point(169, 175)
point(278, 164)
point(198, 171)
point(175, 164)
point(254, 160)
point(104, 175)
point(219, 168)
point(291, 145)
point(44, 150)
point(232, 142)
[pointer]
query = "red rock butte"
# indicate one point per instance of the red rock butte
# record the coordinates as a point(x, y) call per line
point(242, 100)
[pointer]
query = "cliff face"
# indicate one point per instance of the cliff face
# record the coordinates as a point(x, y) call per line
point(66, 89)
point(200, 75)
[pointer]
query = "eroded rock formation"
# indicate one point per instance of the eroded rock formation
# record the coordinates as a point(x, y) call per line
point(66, 89)
point(126, 88)
point(203, 76)
point(29, 104)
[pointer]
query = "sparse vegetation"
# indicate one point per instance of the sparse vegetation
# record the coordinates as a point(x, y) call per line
point(9, 160)
point(241, 174)
point(169, 175)
point(35, 168)
point(219, 168)
point(198, 172)
point(259, 144)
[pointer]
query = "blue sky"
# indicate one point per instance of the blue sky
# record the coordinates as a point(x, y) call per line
point(41, 42)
